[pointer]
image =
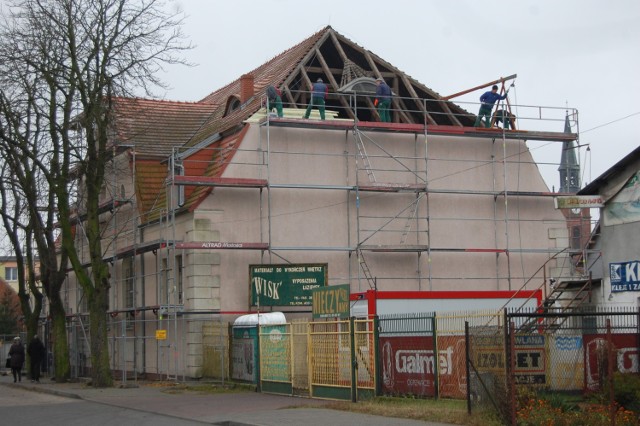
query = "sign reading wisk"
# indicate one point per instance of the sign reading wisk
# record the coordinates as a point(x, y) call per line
point(285, 284)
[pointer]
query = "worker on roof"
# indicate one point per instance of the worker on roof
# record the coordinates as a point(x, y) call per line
point(318, 95)
point(274, 100)
point(487, 100)
point(383, 100)
point(505, 117)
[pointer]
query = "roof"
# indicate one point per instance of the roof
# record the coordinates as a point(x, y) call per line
point(155, 127)
point(613, 174)
point(328, 55)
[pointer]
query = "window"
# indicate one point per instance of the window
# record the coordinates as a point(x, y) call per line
point(576, 238)
point(128, 278)
point(179, 279)
point(11, 273)
point(164, 289)
point(82, 305)
point(233, 103)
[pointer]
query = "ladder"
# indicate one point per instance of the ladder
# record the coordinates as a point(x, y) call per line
point(410, 218)
point(362, 152)
point(365, 270)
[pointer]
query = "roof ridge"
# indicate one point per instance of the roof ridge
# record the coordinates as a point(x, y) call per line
point(315, 35)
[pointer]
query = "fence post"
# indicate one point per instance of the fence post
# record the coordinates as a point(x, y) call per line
point(436, 357)
point(511, 382)
point(612, 400)
point(466, 350)
point(376, 354)
point(354, 361)
point(259, 357)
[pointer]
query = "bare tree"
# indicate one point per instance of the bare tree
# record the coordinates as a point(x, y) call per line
point(72, 59)
point(20, 183)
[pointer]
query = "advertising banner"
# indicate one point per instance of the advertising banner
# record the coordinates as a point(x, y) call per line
point(243, 359)
point(285, 284)
point(566, 362)
point(625, 276)
point(595, 356)
point(530, 359)
point(331, 301)
point(409, 366)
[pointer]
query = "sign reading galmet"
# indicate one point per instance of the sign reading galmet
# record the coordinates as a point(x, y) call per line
point(285, 284)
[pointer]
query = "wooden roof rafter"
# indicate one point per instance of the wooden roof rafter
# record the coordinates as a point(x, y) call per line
point(334, 83)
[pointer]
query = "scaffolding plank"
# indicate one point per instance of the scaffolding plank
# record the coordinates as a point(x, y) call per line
point(218, 245)
point(137, 249)
point(393, 187)
point(431, 129)
point(219, 181)
point(394, 248)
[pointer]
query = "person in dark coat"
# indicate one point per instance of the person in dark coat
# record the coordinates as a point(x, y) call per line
point(16, 352)
point(37, 352)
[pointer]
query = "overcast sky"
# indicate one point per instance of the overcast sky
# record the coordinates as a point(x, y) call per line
point(584, 54)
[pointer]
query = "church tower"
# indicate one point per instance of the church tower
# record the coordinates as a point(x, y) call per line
point(569, 167)
point(578, 220)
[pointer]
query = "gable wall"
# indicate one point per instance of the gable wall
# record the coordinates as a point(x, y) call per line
point(318, 225)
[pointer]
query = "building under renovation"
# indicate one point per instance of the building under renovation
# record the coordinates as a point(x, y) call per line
point(203, 197)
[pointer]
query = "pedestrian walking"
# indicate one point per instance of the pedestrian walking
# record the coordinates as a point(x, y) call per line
point(16, 352)
point(37, 352)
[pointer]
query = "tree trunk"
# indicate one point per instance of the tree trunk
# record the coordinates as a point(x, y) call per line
point(101, 371)
point(59, 332)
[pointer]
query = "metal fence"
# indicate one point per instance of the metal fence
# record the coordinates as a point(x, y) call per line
point(550, 351)
point(486, 357)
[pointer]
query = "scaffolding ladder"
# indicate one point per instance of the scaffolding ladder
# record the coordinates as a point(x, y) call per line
point(365, 269)
point(362, 152)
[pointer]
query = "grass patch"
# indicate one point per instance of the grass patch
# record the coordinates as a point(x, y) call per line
point(208, 388)
point(442, 410)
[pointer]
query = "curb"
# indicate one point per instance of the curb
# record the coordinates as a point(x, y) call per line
point(34, 388)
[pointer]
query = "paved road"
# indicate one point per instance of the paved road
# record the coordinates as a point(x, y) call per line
point(149, 404)
point(23, 407)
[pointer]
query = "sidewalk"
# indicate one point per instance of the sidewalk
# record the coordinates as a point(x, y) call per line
point(230, 409)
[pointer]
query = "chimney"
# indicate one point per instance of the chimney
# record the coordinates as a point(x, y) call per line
point(246, 87)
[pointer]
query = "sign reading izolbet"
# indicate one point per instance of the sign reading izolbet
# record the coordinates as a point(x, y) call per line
point(285, 284)
point(331, 302)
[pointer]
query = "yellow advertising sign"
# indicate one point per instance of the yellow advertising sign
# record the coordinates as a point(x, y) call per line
point(161, 334)
point(331, 302)
point(578, 202)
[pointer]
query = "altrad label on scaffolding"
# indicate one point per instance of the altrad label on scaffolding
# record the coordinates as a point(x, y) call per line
point(285, 284)
point(625, 276)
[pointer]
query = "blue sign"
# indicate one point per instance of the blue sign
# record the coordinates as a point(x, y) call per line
point(625, 276)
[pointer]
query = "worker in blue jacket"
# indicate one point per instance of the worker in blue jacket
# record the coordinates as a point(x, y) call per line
point(383, 100)
point(488, 99)
point(318, 95)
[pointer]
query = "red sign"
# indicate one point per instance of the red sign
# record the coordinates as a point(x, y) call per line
point(595, 353)
point(409, 365)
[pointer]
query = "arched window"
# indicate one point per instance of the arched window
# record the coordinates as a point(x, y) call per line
point(576, 240)
point(233, 103)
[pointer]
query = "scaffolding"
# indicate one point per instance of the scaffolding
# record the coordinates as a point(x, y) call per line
point(136, 316)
